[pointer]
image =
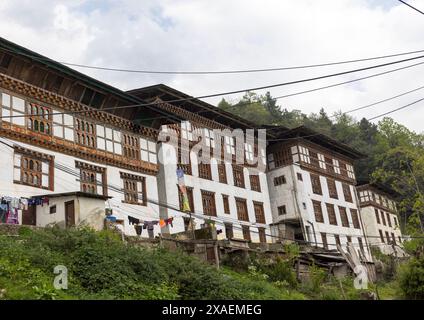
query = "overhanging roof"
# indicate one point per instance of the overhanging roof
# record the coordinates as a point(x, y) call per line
point(303, 132)
point(74, 194)
point(198, 106)
point(379, 186)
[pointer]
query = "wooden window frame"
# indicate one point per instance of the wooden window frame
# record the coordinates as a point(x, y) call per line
point(130, 146)
point(238, 175)
point(205, 171)
point(26, 156)
point(383, 217)
point(282, 210)
point(332, 188)
point(259, 212)
point(381, 236)
point(226, 203)
point(132, 194)
point(355, 218)
point(377, 215)
point(222, 173)
point(299, 176)
point(319, 216)
point(88, 170)
point(186, 167)
point(246, 233)
point(331, 212)
point(316, 184)
point(389, 221)
point(262, 235)
point(82, 135)
point(208, 197)
point(148, 152)
point(229, 231)
point(344, 217)
point(255, 182)
point(324, 240)
point(347, 193)
point(280, 180)
point(39, 118)
point(242, 210)
point(189, 196)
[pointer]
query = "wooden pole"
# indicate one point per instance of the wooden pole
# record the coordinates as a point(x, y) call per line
point(215, 249)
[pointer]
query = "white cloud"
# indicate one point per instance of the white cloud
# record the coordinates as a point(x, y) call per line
point(218, 35)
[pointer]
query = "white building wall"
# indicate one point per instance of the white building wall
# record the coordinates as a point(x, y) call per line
point(372, 231)
point(170, 189)
point(66, 182)
point(301, 192)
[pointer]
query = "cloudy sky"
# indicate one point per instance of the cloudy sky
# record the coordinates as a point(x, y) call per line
point(195, 35)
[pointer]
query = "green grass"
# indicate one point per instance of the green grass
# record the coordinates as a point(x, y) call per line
point(101, 266)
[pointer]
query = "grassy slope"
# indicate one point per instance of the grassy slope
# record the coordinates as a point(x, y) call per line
point(102, 267)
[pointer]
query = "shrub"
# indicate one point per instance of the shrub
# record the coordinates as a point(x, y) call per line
point(411, 278)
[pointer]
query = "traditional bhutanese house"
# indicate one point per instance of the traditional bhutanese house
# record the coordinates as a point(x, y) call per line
point(380, 216)
point(58, 142)
point(312, 190)
point(234, 195)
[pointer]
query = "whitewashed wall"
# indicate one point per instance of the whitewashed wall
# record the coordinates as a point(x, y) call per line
point(65, 182)
point(284, 195)
point(168, 188)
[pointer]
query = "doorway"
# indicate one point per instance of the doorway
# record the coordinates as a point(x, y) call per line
point(69, 214)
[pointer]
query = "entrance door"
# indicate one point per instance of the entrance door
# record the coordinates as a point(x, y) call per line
point(29, 217)
point(69, 213)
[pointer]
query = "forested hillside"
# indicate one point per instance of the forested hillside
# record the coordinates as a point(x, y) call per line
point(395, 153)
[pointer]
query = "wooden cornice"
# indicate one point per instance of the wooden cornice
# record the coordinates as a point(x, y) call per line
point(42, 95)
point(188, 115)
point(24, 135)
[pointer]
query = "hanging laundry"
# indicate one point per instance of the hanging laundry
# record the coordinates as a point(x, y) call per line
point(162, 223)
point(138, 229)
point(169, 221)
point(183, 190)
point(133, 220)
point(4, 211)
point(149, 225)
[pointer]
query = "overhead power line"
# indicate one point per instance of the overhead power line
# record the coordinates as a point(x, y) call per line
point(262, 87)
point(252, 70)
point(407, 4)
point(397, 109)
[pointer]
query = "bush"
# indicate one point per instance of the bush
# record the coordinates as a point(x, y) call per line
point(411, 279)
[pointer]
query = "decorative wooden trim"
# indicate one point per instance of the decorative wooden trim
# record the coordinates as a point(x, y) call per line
point(24, 135)
point(32, 153)
point(125, 175)
point(56, 100)
point(91, 167)
point(376, 205)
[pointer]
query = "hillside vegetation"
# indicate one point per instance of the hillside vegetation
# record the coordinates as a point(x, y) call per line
point(101, 266)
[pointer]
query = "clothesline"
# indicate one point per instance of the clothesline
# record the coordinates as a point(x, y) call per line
point(10, 207)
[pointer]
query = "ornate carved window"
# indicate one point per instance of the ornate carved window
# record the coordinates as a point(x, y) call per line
point(131, 147)
point(40, 118)
point(238, 176)
point(222, 172)
point(259, 212)
point(33, 168)
point(346, 192)
point(92, 178)
point(134, 189)
point(205, 171)
point(262, 235)
point(85, 133)
point(246, 233)
point(332, 190)
point(331, 214)
point(208, 202)
point(255, 183)
point(316, 184)
point(319, 217)
point(242, 213)
point(226, 204)
point(343, 217)
point(355, 218)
